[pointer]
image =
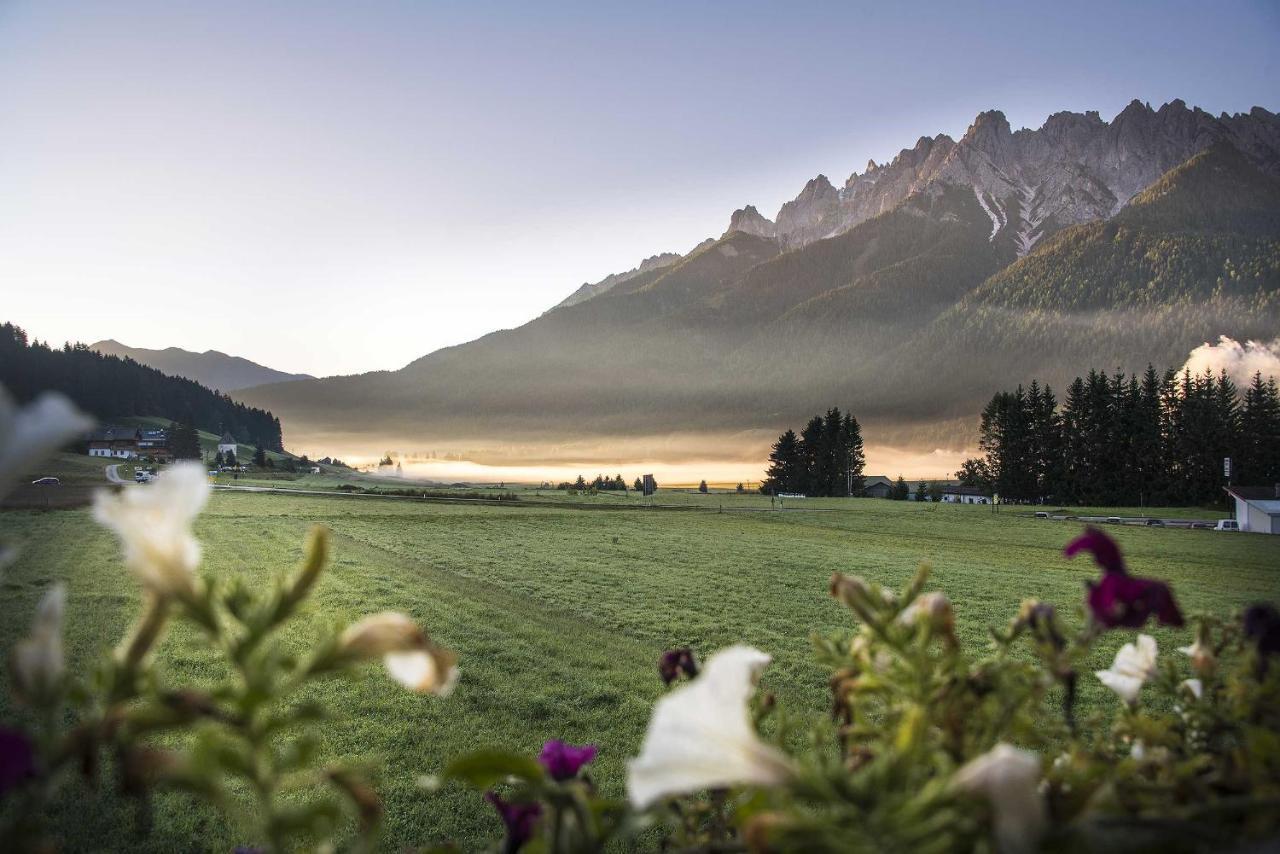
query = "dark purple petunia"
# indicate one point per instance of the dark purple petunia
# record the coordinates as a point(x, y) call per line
point(1106, 553)
point(1121, 600)
point(519, 819)
point(1262, 626)
point(675, 662)
point(17, 759)
point(564, 761)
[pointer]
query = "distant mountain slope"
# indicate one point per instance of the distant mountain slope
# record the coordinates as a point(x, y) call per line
point(110, 387)
point(911, 315)
point(211, 368)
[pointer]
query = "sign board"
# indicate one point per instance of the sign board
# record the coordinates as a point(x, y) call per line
point(1226, 467)
point(650, 485)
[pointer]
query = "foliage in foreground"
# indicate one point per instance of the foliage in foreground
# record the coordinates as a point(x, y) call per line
point(917, 752)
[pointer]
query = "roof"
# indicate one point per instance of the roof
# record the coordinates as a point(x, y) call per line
point(1265, 498)
point(227, 439)
point(113, 434)
point(876, 480)
point(965, 490)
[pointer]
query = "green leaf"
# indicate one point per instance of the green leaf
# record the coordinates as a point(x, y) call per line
point(484, 768)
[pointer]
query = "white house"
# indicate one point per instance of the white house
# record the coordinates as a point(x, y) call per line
point(118, 442)
point(965, 495)
point(227, 444)
point(1257, 508)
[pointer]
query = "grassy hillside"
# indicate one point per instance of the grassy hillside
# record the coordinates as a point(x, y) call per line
point(559, 616)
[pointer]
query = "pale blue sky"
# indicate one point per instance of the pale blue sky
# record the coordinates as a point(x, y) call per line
point(339, 187)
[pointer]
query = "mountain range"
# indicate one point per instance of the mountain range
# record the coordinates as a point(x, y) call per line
point(211, 368)
point(908, 295)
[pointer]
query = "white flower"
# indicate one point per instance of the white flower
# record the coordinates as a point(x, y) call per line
point(37, 663)
point(1133, 666)
point(153, 523)
point(409, 656)
point(35, 431)
point(1195, 686)
point(1007, 777)
point(701, 734)
point(426, 671)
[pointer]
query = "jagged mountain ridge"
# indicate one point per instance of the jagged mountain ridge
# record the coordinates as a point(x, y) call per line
point(212, 368)
point(893, 317)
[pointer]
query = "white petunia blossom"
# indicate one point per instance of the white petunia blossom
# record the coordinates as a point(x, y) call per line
point(1194, 686)
point(1007, 777)
point(426, 671)
point(1133, 666)
point(37, 663)
point(701, 734)
point(33, 432)
point(409, 656)
point(153, 523)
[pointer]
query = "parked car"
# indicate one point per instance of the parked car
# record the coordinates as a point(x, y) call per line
point(1204, 526)
point(1155, 523)
point(1040, 514)
point(1227, 525)
point(141, 477)
point(46, 481)
point(1113, 520)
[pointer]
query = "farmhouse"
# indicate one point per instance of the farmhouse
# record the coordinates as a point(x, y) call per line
point(965, 495)
point(227, 444)
point(114, 442)
point(1257, 508)
point(877, 486)
point(154, 444)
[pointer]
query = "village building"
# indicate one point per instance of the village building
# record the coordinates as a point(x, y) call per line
point(1257, 508)
point(965, 495)
point(877, 486)
point(227, 444)
point(154, 444)
point(117, 442)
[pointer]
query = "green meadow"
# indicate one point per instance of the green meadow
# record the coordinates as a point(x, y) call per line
point(559, 613)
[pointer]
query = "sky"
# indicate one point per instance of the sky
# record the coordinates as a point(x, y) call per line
point(334, 188)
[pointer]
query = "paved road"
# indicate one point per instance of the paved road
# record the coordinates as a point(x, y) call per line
point(114, 476)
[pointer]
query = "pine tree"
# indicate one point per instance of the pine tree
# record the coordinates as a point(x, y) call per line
point(702, 487)
point(638, 486)
point(1258, 444)
point(900, 490)
point(260, 457)
point(785, 466)
point(922, 491)
point(812, 441)
point(855, 457)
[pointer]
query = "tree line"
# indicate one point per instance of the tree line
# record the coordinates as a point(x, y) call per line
point(826, 459)
point(1149, 439)
point(109, 387)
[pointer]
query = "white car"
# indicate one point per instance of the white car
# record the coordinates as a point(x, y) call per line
point(1227, 525)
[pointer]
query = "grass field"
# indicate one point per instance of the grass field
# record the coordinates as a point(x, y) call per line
point(559, 614)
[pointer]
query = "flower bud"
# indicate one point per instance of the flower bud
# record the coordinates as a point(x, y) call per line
point(380, 634)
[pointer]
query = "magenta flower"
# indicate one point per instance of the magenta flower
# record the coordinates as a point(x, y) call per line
point(519, 819)
point(675, 662)
point(17, 759)
point(564, 761)
point(1121, 600)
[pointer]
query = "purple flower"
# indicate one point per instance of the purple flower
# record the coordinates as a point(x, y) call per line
point(675, 662)
point(17, 759)
point(1262, 626)
point(564, 761)
point(519, 819)
point(1121, 600)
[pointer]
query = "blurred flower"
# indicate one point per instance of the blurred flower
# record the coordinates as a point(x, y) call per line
point(1121, 600)
point(1133, 666)
point(427, 671)
point(1262, 626)
point(37, 664)
point(408, 654)
point(934, 607)
point(33, 432)
point(1194, 686)
point(519, 820)
point(17, 759)
point(154, 526)
point(675, 662)
point(1041, 618)
point(701, 735)
point(1202, 658)
point(564, 761)
point(1007, 777)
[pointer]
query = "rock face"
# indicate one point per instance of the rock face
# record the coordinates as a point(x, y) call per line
point(1075, 168)
point(750, 221)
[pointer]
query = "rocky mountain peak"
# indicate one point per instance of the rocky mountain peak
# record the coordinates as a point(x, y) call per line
point(750, 221)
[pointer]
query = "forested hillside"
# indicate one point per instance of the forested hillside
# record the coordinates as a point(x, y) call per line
point(110, 387)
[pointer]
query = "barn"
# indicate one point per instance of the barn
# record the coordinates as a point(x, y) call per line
point(1257, 508)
